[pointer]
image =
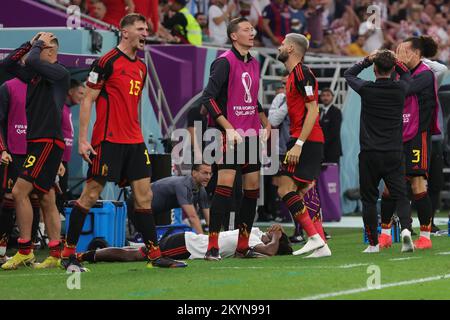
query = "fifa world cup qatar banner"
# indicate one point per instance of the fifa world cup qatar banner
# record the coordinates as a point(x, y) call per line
point(329, 192)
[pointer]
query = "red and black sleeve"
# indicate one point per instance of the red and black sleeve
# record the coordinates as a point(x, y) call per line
point(305, 82)
point(217, 79)
point(100, 72)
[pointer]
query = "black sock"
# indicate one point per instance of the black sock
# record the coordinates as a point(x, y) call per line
point(387, 209)
point(36, 219)
point(423, 205)
point(220, 205)
point(145, 224)
point(76, 222)
point(370, 219)
point(247, 211)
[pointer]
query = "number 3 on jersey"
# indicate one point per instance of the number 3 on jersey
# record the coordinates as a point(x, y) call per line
point(135, 87)
point(416, 155)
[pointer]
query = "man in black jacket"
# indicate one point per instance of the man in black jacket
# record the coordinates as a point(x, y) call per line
point(381, 155)
point(330, 121)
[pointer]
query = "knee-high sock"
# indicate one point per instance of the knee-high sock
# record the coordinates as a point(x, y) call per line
point(299, 212)
point(220, 205)
point(145, 224)
point(423, 205)
point(370, 219)
point(76, 222)
point(247, 215)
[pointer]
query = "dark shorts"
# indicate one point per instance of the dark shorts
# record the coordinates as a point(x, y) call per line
point(245, 157)
point(418, 154)
point(309, 166)
point(120, 163)
point(173, 246)
point(42, 163)
point(9, 173)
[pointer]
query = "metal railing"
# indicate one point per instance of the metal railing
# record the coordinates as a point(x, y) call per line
point(328, 71)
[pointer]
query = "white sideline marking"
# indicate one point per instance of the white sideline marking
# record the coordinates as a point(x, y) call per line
point(383, 286)
point(402, 259)
point(12, 275)
point(344, 266)
point(443, 253)
point(348, 266)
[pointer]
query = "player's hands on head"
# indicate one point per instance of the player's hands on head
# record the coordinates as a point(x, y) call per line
point(47, 37)
point(36, 37)
point(6, 157)
point(372, 55)
point(85, 149)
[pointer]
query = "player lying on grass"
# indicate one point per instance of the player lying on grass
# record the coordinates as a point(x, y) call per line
point(188, 245)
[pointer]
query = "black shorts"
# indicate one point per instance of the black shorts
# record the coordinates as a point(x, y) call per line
point(9, 173)
point(120, 163)
point(174, 246)
point(309, 166)
point(42, 163)
point(245, 156)
point(418, 154)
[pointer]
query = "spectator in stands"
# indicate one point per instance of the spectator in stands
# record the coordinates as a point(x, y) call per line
point(149, 9)
point(314, 17)
point(81, 4)
point(298, 18)
point(276, 23)
point(330, 122)
point(372, 33)
point(186, 192)
point(219, 14)
point(98, 10)
point(356, 48)
point(202, 20)
point(180, 23)
point(247, 9)
point(111, 11)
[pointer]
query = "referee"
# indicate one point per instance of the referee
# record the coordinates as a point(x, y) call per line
point(380, 136)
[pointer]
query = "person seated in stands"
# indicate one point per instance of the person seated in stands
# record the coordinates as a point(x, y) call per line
point(188, 245)
point(186, 192)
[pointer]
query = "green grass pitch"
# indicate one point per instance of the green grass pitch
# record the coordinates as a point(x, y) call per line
point(418, 275)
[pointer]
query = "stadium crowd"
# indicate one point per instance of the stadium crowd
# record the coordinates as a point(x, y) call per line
point(341, 27)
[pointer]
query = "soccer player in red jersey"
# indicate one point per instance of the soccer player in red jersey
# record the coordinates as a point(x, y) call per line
point(305, 148)
point(117, 149)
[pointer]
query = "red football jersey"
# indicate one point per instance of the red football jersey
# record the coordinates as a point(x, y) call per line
point(301, 87)
point(121, 81)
